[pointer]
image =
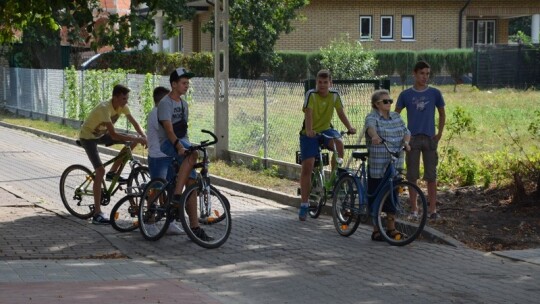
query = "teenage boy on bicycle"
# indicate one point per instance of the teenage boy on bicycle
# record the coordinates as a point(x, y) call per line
point(98, 128)
point(173, 137)
point(319, 105)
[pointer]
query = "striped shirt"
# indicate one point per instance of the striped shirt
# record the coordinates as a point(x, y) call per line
point(393, 130)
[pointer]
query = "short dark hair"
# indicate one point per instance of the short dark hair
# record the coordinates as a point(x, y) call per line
point(324, 74)
point(120, 90)
point(159, 93)
point(420, 65)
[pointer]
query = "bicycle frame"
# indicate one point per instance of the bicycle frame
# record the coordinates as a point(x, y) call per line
point(125, 155)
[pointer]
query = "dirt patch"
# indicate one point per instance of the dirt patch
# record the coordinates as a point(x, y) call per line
point(489, 220)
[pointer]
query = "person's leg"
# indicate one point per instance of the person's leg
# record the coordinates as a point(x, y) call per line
point(431, 159)
point(90, 147)
point(309, 149)
point(412, 160)
point(373, 183)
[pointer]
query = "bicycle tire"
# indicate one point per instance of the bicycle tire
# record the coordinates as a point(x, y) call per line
point(125, 214)
point(411, 227)
point(317, 195)
point(345, 196)
point(138, 179)
point(79, 202)
point(154, 214)
point(215, 222)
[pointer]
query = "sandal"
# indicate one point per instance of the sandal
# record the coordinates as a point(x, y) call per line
point(396, 234)
point(376, 236)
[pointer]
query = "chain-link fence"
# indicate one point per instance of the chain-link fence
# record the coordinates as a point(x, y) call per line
point(264, 117)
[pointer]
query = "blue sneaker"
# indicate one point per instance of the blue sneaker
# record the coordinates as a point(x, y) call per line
point(302, 213)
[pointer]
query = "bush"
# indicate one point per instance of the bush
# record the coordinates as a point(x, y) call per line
point(458, 62)
point(405, 61)
point(386, 62)
point(347, 59)
point(314, 63)
point(293, 67)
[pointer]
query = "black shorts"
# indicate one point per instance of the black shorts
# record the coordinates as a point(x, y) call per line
point(90, 146)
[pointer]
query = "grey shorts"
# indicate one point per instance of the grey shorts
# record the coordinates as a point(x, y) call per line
point(90, 146)
point(427, 147)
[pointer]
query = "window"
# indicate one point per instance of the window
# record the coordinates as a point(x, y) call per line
point(387, 31)
point(480, 32)
point(365, 27)
point(180, 45)
point(407, 27)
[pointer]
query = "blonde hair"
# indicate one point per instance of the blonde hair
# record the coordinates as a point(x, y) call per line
point(376, 96)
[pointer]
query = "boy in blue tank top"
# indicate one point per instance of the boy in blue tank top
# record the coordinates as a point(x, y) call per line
point(421, 101)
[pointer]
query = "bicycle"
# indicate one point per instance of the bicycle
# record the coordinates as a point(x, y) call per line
point(321, 188)
point(124, 215)
point(157, 210)
point(350, 202)
point(77, 180)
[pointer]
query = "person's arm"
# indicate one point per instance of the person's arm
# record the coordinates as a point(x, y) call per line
point(308, 119)
point(136, 125)
point(343, 117)
point(375, 138)
point(398, 110)
point(167, 125)
point(121, 137)
point(442, 122)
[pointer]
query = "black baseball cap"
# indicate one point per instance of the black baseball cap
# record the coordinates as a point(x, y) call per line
point(179, 73)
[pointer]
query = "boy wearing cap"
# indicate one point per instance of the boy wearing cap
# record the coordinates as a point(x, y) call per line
point(173, 117)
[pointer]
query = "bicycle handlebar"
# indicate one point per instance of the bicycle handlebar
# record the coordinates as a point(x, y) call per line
point(204, 143)
point(393, 153)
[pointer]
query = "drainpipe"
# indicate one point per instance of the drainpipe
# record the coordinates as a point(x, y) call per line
point(460, 29)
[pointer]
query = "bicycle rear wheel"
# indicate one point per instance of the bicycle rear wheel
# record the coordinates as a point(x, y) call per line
point(125, 214)
point(76, 191)
point(346, 220)
point(154, 218)
point(400, 211)
point(213, 216)
point(317, 196)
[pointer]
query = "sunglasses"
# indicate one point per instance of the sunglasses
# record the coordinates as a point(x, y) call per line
point(387, 101)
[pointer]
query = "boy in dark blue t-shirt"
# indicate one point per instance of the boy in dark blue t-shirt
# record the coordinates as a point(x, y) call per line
point(420, 101)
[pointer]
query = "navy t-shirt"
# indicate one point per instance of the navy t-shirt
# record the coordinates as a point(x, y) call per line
point(421, 106)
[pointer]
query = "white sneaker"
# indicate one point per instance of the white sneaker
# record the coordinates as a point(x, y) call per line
point(413, 216)
point(152, 229)
point(175, 229)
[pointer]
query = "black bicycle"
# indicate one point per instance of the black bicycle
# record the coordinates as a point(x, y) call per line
point(157, 209)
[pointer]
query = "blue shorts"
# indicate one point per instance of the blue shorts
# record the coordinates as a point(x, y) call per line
point(160, 167)
point(168, 148)
point(309, 146)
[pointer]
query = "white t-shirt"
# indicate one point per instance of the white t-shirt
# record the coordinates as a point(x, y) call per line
point(152, 135)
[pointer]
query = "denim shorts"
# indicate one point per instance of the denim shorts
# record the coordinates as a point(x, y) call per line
point(160, 167)
point(169, 150)
point(309, 146)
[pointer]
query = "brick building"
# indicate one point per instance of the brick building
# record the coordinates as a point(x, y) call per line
point(397, 24)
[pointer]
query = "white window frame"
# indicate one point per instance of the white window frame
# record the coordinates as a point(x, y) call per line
point(391, 35)
point(370, 29)
point(410, 27)
point(486, 33)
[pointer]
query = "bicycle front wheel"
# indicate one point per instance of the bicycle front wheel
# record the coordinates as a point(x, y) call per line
point(125, 214)
point(154, 218)
point(402, 213)
point(76, 191)
point(346, 219)
point(212, 209)
point(137, 180)
point(317, 195)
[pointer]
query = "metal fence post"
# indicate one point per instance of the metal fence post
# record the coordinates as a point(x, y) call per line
point(265, 152)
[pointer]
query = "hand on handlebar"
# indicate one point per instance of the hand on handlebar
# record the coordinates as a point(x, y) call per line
point(351, 131)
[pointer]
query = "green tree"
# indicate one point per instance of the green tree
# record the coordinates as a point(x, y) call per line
point(40, 21)
point(254, 28)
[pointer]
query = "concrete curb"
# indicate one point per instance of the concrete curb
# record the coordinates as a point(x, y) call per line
point(279, 197)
